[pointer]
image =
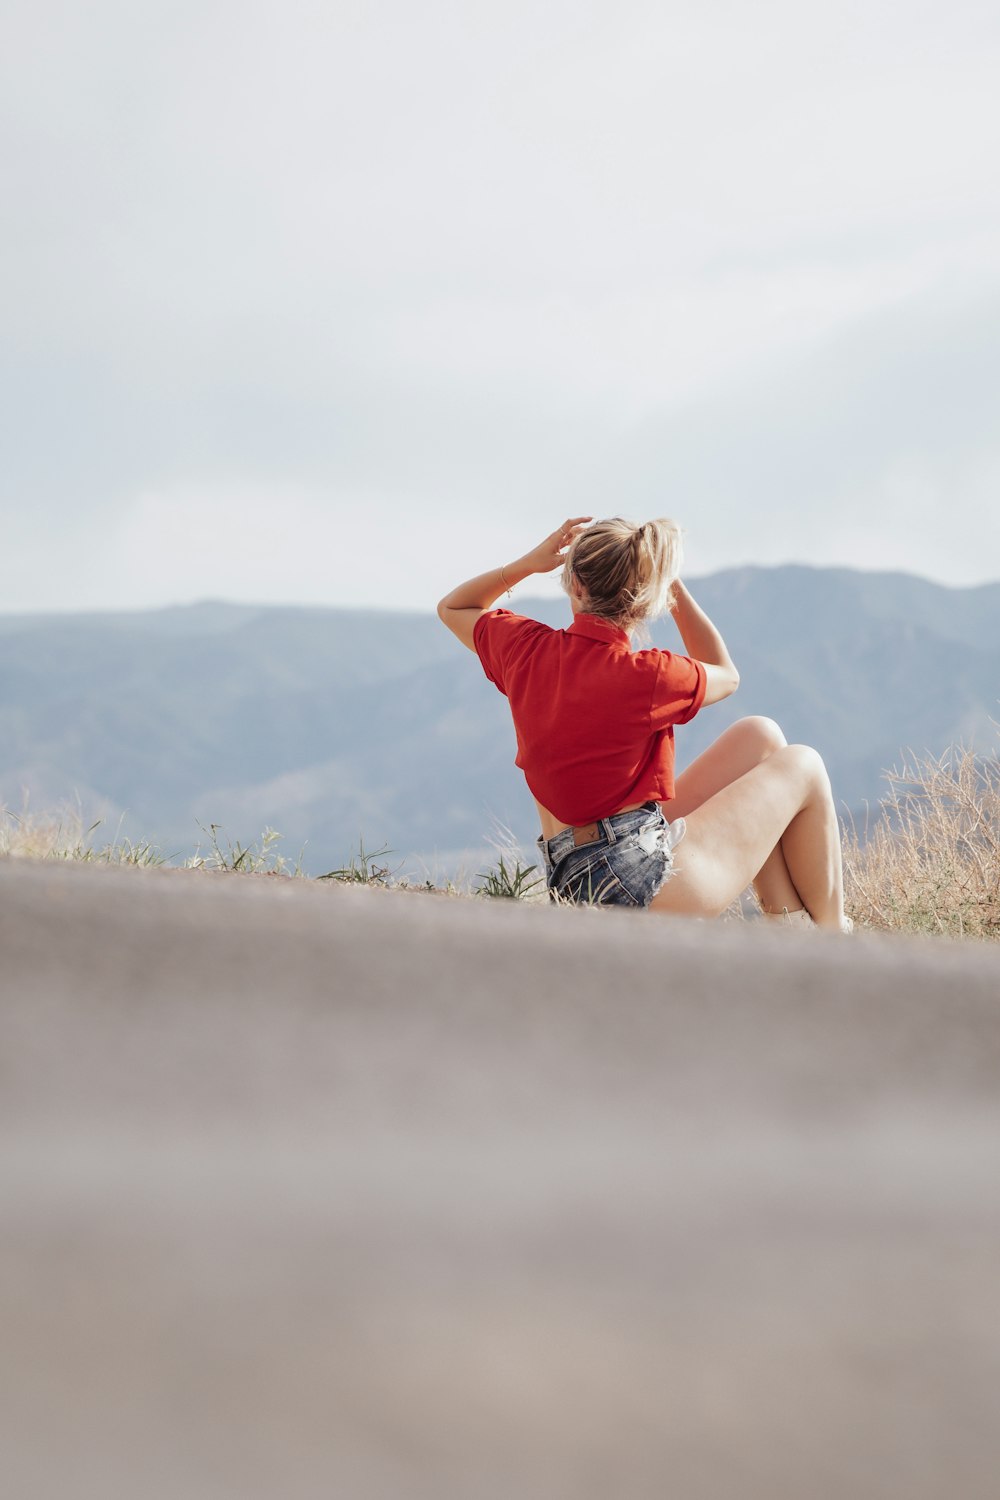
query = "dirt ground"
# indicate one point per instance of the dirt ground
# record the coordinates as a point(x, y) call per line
point(312, 1191)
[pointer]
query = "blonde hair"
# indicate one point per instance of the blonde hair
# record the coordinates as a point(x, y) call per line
point(626, 571)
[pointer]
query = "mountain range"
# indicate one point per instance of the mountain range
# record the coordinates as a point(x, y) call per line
point(335, 726)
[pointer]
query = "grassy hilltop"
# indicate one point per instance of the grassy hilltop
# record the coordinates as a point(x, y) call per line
point(929, 862)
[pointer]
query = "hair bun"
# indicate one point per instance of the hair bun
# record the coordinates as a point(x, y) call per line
point(626, 571)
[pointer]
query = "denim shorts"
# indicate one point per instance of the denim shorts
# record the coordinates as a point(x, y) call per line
point(625, 866)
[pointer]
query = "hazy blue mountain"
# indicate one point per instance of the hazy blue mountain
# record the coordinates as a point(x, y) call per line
point(332, 725)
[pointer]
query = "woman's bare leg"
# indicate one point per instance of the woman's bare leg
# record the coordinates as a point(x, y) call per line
point(745, 744)
point(785, 800)
point(737, 750)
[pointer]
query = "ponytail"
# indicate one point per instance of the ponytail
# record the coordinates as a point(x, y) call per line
point(626, 571)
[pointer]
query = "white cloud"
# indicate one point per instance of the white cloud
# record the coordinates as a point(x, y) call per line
point(452, 266)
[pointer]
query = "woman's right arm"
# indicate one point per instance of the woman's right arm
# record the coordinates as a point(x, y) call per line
point(460, 610)
point(703, 642)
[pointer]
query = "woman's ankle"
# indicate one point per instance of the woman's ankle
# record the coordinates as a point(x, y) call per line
point(797, 917)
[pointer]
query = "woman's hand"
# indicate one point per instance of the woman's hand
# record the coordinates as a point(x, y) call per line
point(551, 553)
point(462, 607)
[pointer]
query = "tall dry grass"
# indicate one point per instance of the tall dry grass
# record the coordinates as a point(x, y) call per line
point(931, 861)
point(63, 835)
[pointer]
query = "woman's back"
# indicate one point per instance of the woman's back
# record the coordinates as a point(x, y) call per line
point(594, 720)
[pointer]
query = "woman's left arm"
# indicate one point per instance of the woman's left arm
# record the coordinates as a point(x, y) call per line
point(463, 606)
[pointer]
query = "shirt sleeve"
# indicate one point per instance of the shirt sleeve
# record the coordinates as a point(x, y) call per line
point(495, 635)
point(678, 689)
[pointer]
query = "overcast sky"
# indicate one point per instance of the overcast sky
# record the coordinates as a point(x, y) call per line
point(342, 302)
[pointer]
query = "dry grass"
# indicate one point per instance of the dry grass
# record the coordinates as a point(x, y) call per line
point(62, 835)
point(931, 862)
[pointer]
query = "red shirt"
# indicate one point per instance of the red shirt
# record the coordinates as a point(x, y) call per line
point(594, 720)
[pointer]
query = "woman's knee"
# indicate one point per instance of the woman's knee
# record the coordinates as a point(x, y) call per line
point(808, 766)
point(765, 735)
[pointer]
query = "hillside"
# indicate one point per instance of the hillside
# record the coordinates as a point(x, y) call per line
point(332, 725)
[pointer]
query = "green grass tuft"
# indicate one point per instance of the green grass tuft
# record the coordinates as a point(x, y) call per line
point(511, 882)
point(260, 858)
point(363, 868)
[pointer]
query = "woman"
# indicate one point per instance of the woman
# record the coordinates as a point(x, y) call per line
point(594, 722)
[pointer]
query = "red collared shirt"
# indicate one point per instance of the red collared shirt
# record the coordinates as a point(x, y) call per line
point(594, 719)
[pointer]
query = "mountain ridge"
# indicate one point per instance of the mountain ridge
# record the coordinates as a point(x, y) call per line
point(334, 725)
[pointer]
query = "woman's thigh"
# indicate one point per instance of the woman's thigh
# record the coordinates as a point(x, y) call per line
point(737, 750)
point(730, 835)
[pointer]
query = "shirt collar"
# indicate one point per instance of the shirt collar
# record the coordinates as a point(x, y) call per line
point(596, 629)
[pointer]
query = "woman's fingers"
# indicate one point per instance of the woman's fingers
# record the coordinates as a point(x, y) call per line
point(551, 552)
point(570, 528)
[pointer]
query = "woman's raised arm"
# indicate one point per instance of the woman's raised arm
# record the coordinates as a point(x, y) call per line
point(704, 642)
point(463, 606)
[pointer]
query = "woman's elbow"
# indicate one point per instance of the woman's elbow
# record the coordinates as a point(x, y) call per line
point(722, 682)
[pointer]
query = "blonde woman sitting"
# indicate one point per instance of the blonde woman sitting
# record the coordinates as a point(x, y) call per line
point(595, 720)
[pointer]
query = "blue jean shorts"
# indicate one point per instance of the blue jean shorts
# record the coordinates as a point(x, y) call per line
point(626, 865)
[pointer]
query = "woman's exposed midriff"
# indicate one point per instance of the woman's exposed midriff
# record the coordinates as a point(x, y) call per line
point(551, 825)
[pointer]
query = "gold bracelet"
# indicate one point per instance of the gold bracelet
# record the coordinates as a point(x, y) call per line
point(505, 583)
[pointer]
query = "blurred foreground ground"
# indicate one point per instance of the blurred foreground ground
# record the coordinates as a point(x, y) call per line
point(319, 1191)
